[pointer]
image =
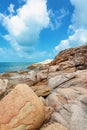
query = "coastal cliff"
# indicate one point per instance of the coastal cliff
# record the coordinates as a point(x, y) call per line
point(48, 96)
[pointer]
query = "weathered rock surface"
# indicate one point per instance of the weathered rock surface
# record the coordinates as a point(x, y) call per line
point(62, 87)
point(3, 85)
point(75, 58)
point(21, 109)
point(69, 102)
point(41, 90)
point(58, 80)
point(54, 126)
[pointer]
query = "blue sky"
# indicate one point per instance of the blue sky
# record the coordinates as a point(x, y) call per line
point(36, 30)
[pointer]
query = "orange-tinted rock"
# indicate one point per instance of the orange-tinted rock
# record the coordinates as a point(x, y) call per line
point(41, 90)
point(32, 67)
point(76, 55)
point(53, 68)
point(21, 109)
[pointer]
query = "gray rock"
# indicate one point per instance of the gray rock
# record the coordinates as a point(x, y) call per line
point(58, 118)
point(53, 68)
point(79, 117)
point(60, 79)
point(3, 85)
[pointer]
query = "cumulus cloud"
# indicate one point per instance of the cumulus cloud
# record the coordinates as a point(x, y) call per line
point(78, 29)
point(80, 12)
point(24, 27)
point(78, 38)
point(63, 45)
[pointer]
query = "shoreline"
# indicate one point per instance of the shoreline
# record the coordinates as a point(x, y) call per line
point(8, 67)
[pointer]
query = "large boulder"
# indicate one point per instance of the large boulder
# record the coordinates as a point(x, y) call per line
point(21, 109)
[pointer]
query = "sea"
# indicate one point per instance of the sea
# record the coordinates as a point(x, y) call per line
point(13, 66)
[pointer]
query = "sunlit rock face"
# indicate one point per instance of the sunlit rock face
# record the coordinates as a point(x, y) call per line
point(21, 109)
point(72, 59)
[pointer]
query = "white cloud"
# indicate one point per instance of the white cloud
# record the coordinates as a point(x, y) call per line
point(78, 38)
point(24, 27)
point(78, 29)
point(80, 12)
point(63, 45)
point(57, 18)
point(11, 8)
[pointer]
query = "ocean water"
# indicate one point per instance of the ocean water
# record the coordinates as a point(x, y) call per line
point(13, 66)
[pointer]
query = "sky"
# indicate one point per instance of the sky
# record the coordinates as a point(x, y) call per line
point(37, 30)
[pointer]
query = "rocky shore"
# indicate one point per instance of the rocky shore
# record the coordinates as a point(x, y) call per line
point(50, 96)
